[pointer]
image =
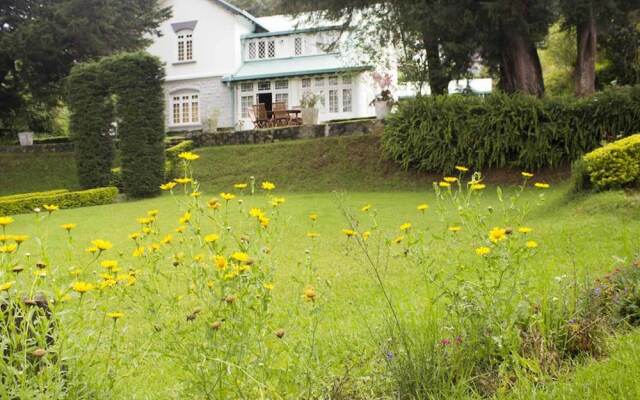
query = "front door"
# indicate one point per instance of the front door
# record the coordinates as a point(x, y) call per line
point(266, 99)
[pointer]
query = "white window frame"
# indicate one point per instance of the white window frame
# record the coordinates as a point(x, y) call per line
point(245, 106)
point(185, 46)
point(185, 108)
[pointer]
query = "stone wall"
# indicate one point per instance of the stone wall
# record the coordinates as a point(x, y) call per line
point(367, 127)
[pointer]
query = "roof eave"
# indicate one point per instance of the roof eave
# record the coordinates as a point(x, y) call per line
point(232, 78)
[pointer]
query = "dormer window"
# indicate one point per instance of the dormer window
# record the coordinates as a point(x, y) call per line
point(185, 46)
point(298, 46)
point(261, 49)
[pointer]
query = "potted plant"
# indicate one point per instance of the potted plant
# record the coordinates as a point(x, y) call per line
point(310, 113)
point(384, 101)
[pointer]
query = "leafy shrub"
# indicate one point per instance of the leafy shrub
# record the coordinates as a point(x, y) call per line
point(173, 162)
point(91, 197)
point(436, 133)
point(52, 139)
point(116, 178)
point(580, 180)
point(615, 165)
point(32, 194)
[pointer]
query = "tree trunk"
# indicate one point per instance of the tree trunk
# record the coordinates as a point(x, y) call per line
point(439, 77)
point(587, 39)
point(521, 70)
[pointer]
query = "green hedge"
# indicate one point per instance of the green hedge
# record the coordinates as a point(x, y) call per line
point(91, 197)
point(173, 162)
point(436, 133)
point(615, 165)
point(26, 195)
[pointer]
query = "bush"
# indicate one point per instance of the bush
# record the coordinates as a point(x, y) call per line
point(580, 180)
point(615, 165)
point(436, 133)
point(173, 162)
point(27, 195)
point(27, 204)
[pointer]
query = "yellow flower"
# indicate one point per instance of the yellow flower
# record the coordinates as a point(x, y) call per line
point(109, 264)
point(497, 234)
point(278, 201)
point(196, 194)
point(134, 235)
point(183, 181)
point(398, 239)
point(450, 179)
point(51, 208)
point(240, 186)
point(461, 168)
point(455, 228)
point(268, 286)
point(365, 235)
point(139, 251)
point(525, 229)
point(189, 156)
point(91, 249)
point(212, 238)
point(145, 220)
point(541, 185)
point(153, 213)
point(82, 287)
point(227, 196)
point(483, 251)
point(186, 217)
point(532, 244)
point(214, 204)
point(366, 208)
point(19, 239)
point(313, 235)
point(5, 238)
point(266, 185)
point(444, 184)
point(6, 286)
point(4, 221)
point(405, 227)
point(102, 245)
point(168, 186)
point(68, 227)
point(40, 273)
point(264, 221)
point(154, 247)
point(349, 232)
point(527, 175)
point(309, 294)
point(423, 207)
point(8, 249)
point(313, 217)
point(115, 315)
point(221, 262)
point(241, 256)
point(256, 212)
point(167, 239)
point(478, 186)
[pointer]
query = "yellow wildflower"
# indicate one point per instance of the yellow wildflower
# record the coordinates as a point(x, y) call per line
point(478, 186)
point(167, 239)
point(450, 179)
point(264, 221)
point(455, 228)
point(483, 251)
point(532, 244)
point(278, 201)
point(82, 287)
point(527, 175)
point(189, 156)
point(444, 184)
point(213, 204)
point(221, 262)
point(525, 229)
point(8, 249)
point(186, 217)
point(115, 315)
point(145, 220)
point(183, 181)
point(146, 230)
point(40, 273)
point(139, 251)
point(102, 245)
point(309, 294)
point(268, 286)
point(313, 235)
point(68, 227)
point(541, 185)
point(153, 213)
point(256, 212)
point(4, 221)
point(180, 229)
point(6, 286)
point(349, 232)
point(313, 217)
point(212, 238)
point(398, 239)
point(365, 235)
point(109, 264)
point(405, 227)
point(134, 235)
point(497, 234)
point(168, 186)
point(266, 185)
point(423, 207)
point(366, 208)
point(5, 238)
point(241, 256)
point(227, 196)
point(240, 186)
point(91, 249)
point(461, 168)
point(51, 207)
point(19, 239)
point(196, 194)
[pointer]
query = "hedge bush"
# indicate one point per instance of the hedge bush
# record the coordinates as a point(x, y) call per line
point(32, 194)
point(616, 164)
point(173, 162)
point(436, 133)
point(91, 197)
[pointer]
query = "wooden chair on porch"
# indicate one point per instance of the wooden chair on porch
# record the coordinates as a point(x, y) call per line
point(260, 116)
point(281, 116)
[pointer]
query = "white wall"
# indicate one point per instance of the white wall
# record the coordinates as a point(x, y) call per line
point(216, 40)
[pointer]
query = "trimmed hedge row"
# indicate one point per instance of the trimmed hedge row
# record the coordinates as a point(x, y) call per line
point(615, 165)
point(26, 195)
point(436, 133)
point(91, 197)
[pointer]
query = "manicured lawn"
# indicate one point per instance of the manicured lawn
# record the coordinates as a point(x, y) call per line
point(579, 239)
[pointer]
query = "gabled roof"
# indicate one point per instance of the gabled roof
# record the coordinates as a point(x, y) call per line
point(235, 10)
point(295, 66)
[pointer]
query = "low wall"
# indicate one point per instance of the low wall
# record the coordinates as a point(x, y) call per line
point(39, 148)
point(256, 136)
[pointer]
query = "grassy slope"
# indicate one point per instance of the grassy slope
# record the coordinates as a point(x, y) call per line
point(351, 163)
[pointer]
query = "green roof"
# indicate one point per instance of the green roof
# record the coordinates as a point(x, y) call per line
point(290, 67)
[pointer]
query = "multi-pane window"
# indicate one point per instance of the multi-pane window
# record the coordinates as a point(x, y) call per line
point(271, 49)
point(261, 50)
point(347, 80)
point(333, 81)
point(185, 46)
point(264, 85)
point(306, 83)
point(333, 101)
point(347, 103)
point(185, 109)
point(246, 102)
point(319, 82)
point(252, 51)
point(282, 84)
point(282, 98)
point(298, 46)
point(246, 87)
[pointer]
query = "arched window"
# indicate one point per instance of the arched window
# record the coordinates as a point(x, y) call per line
point(185, 107)
point(185, 45)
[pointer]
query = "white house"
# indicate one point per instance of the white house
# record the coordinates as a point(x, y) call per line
point(221, 60)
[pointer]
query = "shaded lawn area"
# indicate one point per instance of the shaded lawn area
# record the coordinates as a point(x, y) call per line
point(589, 236)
